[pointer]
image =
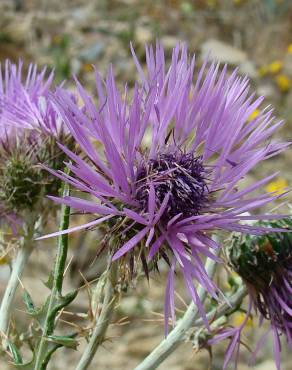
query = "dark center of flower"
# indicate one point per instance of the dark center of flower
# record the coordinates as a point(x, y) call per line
point(182, 176)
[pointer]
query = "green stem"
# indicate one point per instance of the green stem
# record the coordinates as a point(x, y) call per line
point(18, 266)
point(62, 249)
point(56, 293)
point(225, 308)
point(99, 331)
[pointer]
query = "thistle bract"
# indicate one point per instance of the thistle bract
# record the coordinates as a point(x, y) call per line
point(20, 183)
point(163, 165)
point(265, 265)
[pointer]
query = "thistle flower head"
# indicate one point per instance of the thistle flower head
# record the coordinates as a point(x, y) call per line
point(164, 165)
point(29, 130)
point(265, 265)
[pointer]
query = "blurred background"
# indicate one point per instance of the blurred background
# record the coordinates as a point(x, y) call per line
point(70, 36)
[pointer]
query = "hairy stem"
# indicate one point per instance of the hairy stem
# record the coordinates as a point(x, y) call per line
point(176, 336)
point(99, 331)
point(225, 308)
point(18, 266)
point(56, 293)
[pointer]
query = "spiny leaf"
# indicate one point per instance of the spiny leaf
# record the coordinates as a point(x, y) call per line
point(49, 354)
point(28, 302)
point(39, 314)
point(68, 298)
point(49, 282)
point(26, 366)
point(65, 341)
point(15, 353)
point(53, 347)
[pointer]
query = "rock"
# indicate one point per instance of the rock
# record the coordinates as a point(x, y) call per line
point(223, 52)
point(75, 65)
point(267, 90)
point(81, 17)
point(143, 35)
point(15, 28)
point(92, 52)
point(169, 42)
point(248, 68)
point(49, 25)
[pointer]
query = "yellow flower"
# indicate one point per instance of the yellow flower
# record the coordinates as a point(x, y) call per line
point(238, 2)
point(212, 3)
point(56, 40)
point(283, 82)
point(238, 319)
point(275, 67)
point(263, 71)
point(87, 67)
point(233, 280)
point(254, 114)
point(289, 49)
point(278, 186)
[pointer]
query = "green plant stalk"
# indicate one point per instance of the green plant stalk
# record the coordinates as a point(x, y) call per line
point(41, 360)
point(225, 308)
point(19, 263)
point(110, 297)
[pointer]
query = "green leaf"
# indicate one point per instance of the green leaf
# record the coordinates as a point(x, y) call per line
point(39, 313)
point(65, 341)
point(15, 353)
point(49, 282)
point(48, 355)
point(67, 299)
point(28, 302)
point(26, 366)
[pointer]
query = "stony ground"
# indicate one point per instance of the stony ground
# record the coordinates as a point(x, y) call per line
point(73, 34)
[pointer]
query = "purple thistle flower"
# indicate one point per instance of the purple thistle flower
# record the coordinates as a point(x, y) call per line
point(168, 163)
point(29, 128)
point(25, 104)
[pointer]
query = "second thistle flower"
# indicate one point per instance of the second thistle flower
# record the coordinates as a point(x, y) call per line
point(29, 130)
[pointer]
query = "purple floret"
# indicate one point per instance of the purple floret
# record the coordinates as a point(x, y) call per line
point(25, 103)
